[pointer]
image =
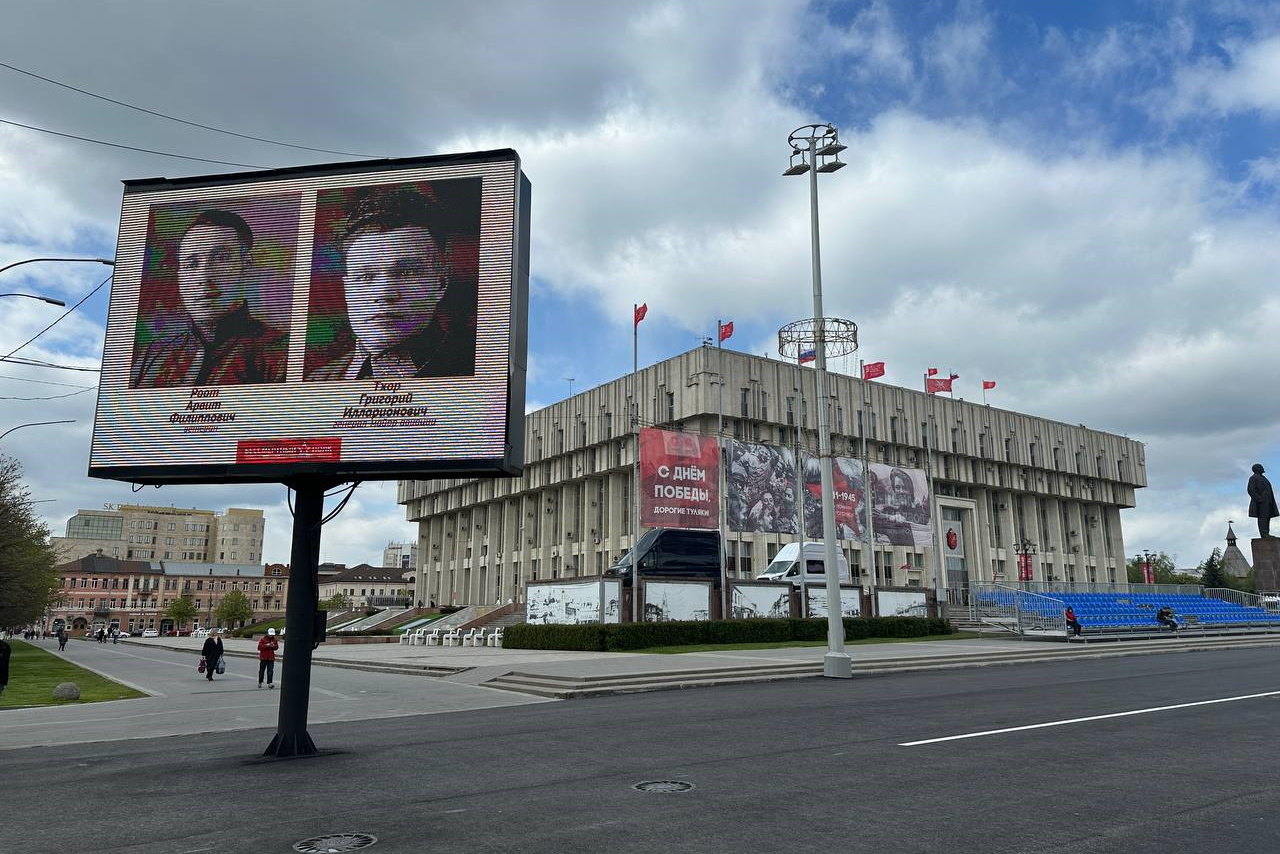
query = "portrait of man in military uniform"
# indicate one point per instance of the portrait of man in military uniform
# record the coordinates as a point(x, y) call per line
point(394, 282)
point(215, 297)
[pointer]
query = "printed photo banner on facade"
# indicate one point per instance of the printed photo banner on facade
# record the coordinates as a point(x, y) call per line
point(900, 508)
point(679, 480)
point(760, 487)
point(848, 486)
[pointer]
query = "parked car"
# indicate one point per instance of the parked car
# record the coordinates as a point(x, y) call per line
point(150, 633)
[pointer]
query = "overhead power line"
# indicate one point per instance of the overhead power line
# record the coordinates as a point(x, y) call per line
point(43, 382)
point(36, 363)
point(51, 397)
point(187, 122)
point(131, 147)
point(62, 317)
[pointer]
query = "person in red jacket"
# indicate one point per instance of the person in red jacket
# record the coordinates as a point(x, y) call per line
point(267, 646)
point(1073, 625)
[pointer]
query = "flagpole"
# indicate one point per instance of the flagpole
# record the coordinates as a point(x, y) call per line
point(724, 570)
point(868, 491)
point(720, 373)
point(635, 491)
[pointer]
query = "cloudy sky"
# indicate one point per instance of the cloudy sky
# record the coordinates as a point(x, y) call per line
point(1076, 200)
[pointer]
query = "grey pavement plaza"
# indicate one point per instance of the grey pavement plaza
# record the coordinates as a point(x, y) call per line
point(1140, 753)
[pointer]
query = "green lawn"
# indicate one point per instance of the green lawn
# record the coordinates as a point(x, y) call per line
point(720, 647)
point(33, 673)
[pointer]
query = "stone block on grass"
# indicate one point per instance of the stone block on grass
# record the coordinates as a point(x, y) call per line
point(66, 691)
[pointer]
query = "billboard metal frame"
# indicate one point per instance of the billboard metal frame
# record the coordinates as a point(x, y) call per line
point(511, 463)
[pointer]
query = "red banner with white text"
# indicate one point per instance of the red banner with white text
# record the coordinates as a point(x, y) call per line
point(679, 480)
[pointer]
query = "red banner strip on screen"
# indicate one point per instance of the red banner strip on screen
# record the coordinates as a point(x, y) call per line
point(289, 450)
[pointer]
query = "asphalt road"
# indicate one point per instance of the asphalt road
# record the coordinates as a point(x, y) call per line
point(184, 703)
point(792, 766)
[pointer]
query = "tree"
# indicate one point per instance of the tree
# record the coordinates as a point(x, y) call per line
point(234, 608)
point(181, 611)
point(28, 583)
point(336, 602)
point(1211, 572)
point(1166, 571)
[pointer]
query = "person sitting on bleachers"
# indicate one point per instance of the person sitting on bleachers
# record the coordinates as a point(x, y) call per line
point(1072, 623)
point(1165, 618)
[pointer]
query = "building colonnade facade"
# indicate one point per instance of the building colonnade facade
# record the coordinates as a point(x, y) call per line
point(999, 477)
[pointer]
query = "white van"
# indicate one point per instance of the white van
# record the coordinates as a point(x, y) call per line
point(785, 566)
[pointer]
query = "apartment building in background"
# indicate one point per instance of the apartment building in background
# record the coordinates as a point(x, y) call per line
point(144, 533)
point(99, 590)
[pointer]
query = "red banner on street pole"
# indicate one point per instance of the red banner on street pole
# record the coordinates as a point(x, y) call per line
point(1024, 567)
point(1148, 574)
point(679, 480)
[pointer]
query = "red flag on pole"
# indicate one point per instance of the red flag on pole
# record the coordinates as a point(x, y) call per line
point(933, 386)
point(931, 372)
point(726, 330)
point(871, 370)
point(988, 384)
point(641, 311)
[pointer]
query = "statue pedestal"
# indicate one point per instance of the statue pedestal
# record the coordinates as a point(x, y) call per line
point(1266, 564)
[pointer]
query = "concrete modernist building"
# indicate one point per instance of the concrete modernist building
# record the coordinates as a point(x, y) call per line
point(100, 590)
point(403, 555)
point(1002, 477)
point(367, 586)
point(138, 532)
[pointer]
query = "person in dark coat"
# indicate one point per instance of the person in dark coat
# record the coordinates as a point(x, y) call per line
point(211, 652)
point(1262, 501)
point(5, 652)
point(62, 640)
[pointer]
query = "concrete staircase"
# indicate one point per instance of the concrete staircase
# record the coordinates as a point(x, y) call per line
point(568, 687)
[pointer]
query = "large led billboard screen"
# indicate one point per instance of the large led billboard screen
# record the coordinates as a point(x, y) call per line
point(358, 320)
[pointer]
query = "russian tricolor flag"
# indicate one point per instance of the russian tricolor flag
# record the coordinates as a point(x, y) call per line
point(808, 356)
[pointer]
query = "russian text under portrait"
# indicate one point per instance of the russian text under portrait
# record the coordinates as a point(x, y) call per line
point(394, 282)
point(202, 291)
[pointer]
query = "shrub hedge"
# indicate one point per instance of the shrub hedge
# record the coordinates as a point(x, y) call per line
point(593, 637)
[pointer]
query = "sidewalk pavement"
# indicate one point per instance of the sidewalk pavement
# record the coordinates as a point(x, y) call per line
point(552, 673)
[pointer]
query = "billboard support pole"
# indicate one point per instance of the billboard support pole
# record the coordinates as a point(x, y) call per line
point(291, 738)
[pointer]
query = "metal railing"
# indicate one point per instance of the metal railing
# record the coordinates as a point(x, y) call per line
point(1235, 597)
point(1016, 609)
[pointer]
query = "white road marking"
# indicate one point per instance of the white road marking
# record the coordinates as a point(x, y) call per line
point(1088, 719)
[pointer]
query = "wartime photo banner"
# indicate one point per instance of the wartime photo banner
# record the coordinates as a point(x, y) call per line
point(679, 480)
point(848, 492)
point(900, 509)
point(364, 320)
point(761, 485)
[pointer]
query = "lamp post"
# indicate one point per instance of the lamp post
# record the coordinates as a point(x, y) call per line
point(49, 300)
point(1145, 560)
point(106, 261)
point(35, 424)
point(816, 148)
point(1024, 549)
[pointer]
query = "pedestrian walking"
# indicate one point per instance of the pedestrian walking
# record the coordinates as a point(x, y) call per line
point(212, 654)
point(115, 636)
point(5, 652)
point(62, 640)
point(267, 646)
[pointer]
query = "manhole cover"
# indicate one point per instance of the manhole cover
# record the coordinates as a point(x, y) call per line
point(332, 843)
point(663, 787)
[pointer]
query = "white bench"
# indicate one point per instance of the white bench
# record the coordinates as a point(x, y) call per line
point(433, 638)
point(453, 637)
point(412, 637)
point(495, 637)
point(475, 637)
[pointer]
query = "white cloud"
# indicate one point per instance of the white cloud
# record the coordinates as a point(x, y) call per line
point(1247, 80)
